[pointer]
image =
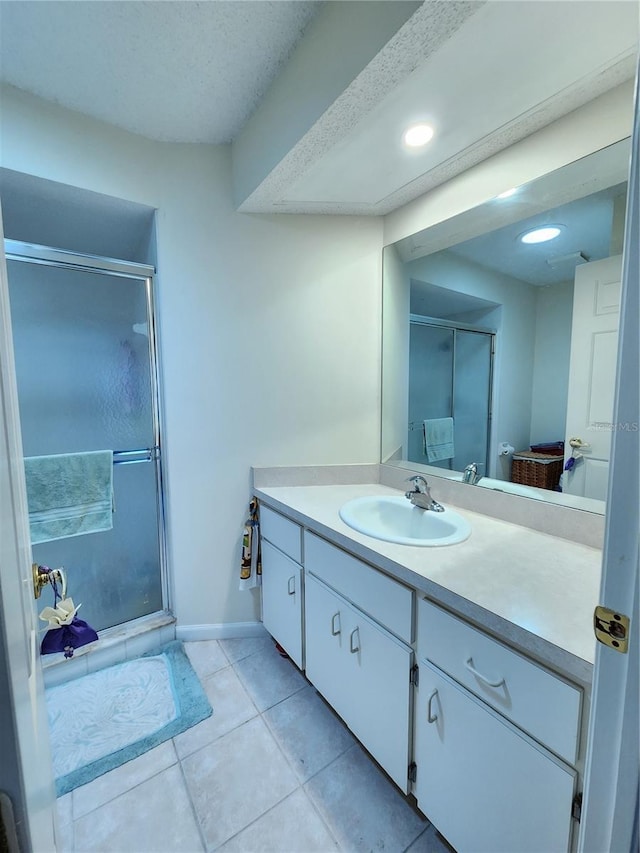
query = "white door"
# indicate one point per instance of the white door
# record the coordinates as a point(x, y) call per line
point(610, 812)
point(282, 600)
point(363, 672)
point(481, 783)
point(25, 768)
point(594, 347)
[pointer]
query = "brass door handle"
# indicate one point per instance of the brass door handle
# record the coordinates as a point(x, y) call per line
point(42, 575)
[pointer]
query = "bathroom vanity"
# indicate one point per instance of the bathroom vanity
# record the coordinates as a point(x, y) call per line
point(464, 670)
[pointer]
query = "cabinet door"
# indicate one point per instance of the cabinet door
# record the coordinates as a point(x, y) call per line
point(363, 672)
point(282, 600)
point(484, 786)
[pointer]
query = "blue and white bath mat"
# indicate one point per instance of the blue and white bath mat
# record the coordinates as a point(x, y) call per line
point(104, 719)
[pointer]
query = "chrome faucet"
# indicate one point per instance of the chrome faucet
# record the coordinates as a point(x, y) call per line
point(471, 475)
point(420, 496)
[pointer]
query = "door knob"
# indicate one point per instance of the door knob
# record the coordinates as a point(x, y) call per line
point(42, 575)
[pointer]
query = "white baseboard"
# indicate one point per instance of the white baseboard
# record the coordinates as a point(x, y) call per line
point(224, 631)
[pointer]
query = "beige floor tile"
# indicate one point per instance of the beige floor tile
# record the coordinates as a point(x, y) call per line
point(309, 733)
point(236, 779)
point(156, 817)
point(206, 657)
point(293, 826)
point(64, 837)
point(362, 808)
point(64, 808)
point(269, 678)
point(110, 785)
point(241, 647)
point(430, 842)
point(231, 708)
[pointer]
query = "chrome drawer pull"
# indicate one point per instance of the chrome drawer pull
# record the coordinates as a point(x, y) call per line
point(431, 717)
point(291, 585)
point(487, 681)
point(353, 649)
point(335, 631)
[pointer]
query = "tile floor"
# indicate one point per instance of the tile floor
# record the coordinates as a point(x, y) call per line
point(272, 770)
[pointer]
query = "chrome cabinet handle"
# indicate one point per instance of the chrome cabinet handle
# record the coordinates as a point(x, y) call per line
point(431, 717)
point(335, 631)
point(291, 585)
point(469, 665)
point(353, 649)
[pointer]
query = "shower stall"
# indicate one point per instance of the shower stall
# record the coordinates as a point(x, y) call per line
point(450, 376)
point(86, 363)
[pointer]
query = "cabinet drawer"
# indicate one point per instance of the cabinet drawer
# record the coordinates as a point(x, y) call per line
point(282, 600)
point(486, 787)
point(363, 672)
point(281, 532)
point(542, 704)
point(381, 597)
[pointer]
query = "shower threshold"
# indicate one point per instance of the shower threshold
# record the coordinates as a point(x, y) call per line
point(114, 645)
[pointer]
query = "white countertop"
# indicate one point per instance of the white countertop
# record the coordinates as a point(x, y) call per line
point(535, 591)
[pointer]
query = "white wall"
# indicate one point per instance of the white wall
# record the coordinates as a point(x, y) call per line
point(513, 361)
point(269, 332)
point(554, 311)
point(395, 356)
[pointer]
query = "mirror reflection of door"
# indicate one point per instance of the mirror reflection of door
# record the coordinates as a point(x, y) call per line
point(450, 372)
point(594, 349)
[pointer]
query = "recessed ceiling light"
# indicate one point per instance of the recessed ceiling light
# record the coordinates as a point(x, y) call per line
point(418, 135)
point(508, 193)
point(540, 235)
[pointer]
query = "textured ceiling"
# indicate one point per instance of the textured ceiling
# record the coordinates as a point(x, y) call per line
point(316, 127)
point(172, 71)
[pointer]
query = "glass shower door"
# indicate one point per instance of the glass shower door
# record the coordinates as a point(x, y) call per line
point(85, 365)
point(450, 376)
point(472, 399)
point(431, 365)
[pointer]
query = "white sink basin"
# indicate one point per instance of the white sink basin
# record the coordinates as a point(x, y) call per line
point(396, 519)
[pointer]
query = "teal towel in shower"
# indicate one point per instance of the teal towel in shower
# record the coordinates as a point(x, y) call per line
point(69, 494)
point(438, 439)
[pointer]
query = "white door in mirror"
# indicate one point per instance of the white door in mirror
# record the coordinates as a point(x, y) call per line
point(395, 519)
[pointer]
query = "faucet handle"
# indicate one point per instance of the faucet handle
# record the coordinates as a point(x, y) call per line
point(419, 482)
point(471, 473)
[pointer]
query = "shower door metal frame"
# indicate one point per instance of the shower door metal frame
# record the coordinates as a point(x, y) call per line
point(63, 259)
point(420, 320)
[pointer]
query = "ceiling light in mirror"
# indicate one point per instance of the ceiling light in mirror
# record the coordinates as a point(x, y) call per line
point(540, 235)
point(508, 193)
point(418, 135)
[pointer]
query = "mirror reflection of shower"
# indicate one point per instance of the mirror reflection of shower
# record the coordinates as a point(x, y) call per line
point(450, 370)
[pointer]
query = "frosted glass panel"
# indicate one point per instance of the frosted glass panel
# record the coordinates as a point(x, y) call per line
point(471, 398)
point(116, 574)
point(82, 359)
point(84, 383)
point(450, 376)
point(430, 384)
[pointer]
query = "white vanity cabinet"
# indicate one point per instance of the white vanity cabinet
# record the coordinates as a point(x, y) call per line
point(488, 739)
point(356, 663)
point(282, 581)
point(490, 727)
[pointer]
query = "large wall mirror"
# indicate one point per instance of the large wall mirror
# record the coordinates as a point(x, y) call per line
point(501, 351)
